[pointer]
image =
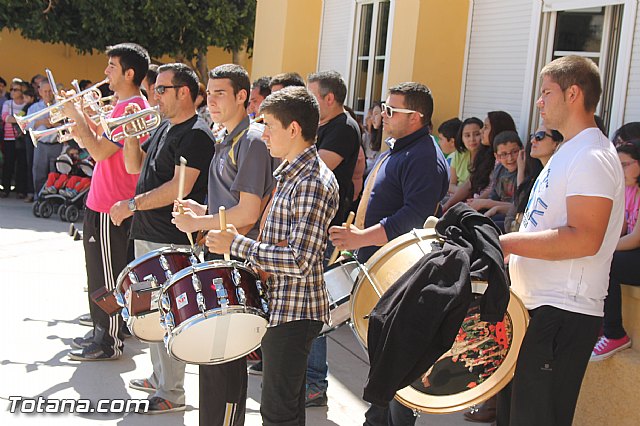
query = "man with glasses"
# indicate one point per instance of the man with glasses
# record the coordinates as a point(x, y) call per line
point(506, 148)
point(404, 187)
point(106, 244)
point(181, 134)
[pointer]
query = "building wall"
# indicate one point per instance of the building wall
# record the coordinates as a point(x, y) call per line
point(24, 58)
point(439, 54)
point(286, 37)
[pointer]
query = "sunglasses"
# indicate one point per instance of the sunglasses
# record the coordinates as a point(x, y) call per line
point(14, 89)
point(389, 110)
point(161, 89)
point(539, 135)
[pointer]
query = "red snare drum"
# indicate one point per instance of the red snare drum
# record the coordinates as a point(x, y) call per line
point(139, 285)
point(214, 312)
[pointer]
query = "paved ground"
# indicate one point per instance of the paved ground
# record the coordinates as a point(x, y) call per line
point(42, 275)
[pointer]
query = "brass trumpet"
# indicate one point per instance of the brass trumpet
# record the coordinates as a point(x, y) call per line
point(89, 95)
point(134, 125)
point(62, 131)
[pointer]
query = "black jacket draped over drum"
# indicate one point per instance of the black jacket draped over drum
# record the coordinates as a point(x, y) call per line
point(417, 319)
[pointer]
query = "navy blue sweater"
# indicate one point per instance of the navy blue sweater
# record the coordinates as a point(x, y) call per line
point(408, 187)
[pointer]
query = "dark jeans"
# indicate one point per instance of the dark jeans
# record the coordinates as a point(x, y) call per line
point(623, 270)
point(285, 348)
point(15, 162)
point(395, 414)
point(549, 371)
point(223, 387)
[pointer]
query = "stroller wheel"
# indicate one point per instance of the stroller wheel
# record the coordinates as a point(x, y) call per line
point(72, 213)
point(46, 209)
point(36, 209)
point(61, 212)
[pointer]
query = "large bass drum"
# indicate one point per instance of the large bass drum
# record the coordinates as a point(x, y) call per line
point(483, 357)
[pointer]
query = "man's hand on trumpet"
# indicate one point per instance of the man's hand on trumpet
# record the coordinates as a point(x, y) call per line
point(220, 241)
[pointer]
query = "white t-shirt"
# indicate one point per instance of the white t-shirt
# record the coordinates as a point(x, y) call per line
point(586, 165)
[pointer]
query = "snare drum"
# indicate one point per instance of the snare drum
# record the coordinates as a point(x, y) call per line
point(215, 312)
point(339, 278)
point(138, 289)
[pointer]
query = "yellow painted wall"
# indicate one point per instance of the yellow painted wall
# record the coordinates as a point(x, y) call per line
point(286, 37)
point(440, 50)
point(428, 45)
point(24, 58)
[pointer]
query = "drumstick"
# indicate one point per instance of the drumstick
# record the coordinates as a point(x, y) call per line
point(336, 252)
point(182, 171)
point(222, 213)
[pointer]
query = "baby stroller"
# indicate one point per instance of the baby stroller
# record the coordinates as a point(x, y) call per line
point(66, 191)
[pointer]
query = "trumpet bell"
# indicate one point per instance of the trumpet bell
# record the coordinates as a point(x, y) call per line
point(134, 125)
point(63, 133)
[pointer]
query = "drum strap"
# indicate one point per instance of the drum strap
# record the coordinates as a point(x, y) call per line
point(366, 193)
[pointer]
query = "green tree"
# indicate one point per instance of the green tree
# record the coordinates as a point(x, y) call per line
point(181, 29)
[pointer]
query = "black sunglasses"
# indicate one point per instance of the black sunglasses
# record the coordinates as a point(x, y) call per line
point(161, 89)
point(539, 135)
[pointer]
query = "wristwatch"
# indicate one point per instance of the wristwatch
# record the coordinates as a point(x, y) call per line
point(132, 205)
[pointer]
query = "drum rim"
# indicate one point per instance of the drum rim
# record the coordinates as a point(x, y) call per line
point(379, 256)
point(443, 404)
point(132, 320)
point(203, 266)
point(141, 259)
point(198, 318)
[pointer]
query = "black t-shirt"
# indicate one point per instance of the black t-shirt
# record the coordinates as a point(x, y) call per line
point(192, 140)
point(342, 136)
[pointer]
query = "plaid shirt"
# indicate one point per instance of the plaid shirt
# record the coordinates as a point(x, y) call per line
point(305, 201)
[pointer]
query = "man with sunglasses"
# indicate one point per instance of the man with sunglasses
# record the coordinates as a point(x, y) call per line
point(181, 134)
point(404, 187)
point(106, 244)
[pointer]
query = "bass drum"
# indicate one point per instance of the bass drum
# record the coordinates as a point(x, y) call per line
point(384, 268)
point(483, 357)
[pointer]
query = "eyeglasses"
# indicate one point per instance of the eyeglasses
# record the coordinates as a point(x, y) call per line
point(539, 135)
point(626, 164)
point(14, 89)
point(513, 153)
point(161, 89)
point(389, 110)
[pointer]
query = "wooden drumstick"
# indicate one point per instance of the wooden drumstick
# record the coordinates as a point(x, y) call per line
point(181, 173)
point(222, 213)
point(336, 252)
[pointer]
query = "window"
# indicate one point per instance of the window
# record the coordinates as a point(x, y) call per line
point(593, 33)
point(372, 21)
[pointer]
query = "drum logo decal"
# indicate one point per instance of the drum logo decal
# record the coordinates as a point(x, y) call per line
point(182, 300)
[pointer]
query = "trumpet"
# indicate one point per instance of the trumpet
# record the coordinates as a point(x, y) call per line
point(134, 125)
point(62, 131)
point(90, 95)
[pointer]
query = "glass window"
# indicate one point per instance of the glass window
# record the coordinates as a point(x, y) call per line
point(368, 69)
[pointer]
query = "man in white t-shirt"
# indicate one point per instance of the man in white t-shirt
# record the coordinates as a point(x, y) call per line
point(560, 259)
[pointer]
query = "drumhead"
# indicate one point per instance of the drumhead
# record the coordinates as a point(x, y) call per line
point(150, 255)
point(384, 268)
point(480, 363)
point(211, 264)
point(147, 327)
